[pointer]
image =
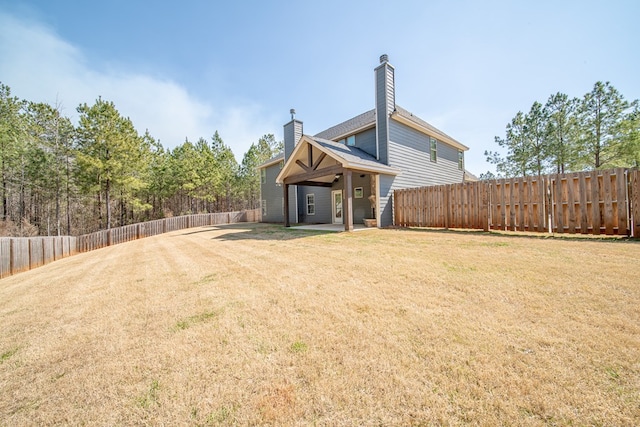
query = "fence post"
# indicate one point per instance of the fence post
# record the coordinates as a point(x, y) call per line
point(12, 249)
point(635, 202)
point(447, 214)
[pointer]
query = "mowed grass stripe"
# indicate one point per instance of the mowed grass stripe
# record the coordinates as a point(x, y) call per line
point(253, 324)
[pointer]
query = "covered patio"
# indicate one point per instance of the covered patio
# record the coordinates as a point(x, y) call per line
point(323, 163)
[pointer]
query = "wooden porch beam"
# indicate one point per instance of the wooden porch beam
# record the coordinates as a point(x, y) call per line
point(286, 205)
point(303, 166)
point(318, 161)
point(331, 170)
point(348, 200)
point(315, 184)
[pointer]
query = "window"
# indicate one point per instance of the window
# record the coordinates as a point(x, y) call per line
point(263, 205)
point(351, 141)
point(434, 149)
point(263, 176)
point(281, 164)
point(311, 204)
point(460, 160)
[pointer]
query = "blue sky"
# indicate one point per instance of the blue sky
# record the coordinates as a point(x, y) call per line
point(186, 69)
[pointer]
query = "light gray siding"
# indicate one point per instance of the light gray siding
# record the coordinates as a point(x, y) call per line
point(273, 194)
point(362, 206)
point(293, 204)
point(366, 141)
point(386, 197)
point(409, 150)
point(292, 134)
point(382, 112)
point(322, 201)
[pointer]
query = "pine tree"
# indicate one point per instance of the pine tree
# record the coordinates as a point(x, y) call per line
point(109, 156)
point(601, 116)
point(561, 132)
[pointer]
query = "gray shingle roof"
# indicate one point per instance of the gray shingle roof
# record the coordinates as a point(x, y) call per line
point(353, 155)
point(272, 160)
point(358, 122)
point(368, 118)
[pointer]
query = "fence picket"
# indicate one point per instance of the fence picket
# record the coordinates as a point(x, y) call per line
point(634, 198)
point(623, 203)
point(21, 254)
point(581, 202)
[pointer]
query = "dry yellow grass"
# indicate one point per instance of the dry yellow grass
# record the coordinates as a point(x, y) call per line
point(253, 325)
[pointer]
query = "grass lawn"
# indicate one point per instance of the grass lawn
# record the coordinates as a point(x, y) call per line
point(252, 324)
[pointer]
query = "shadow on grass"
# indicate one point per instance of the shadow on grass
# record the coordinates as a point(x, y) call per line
point(265, 231)
point(260, 231)
point(526, 235)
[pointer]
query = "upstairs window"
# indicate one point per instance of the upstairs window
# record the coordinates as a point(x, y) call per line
point(263, 176)
point(351, 141)
point(311, 204)
point(460, 160)
point(434, 149)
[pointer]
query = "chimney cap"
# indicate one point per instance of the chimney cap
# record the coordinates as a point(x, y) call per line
point(384, 58)
point(293, 113)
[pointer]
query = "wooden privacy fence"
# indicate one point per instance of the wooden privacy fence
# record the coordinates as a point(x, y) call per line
point(19, 254)
point(597, 202)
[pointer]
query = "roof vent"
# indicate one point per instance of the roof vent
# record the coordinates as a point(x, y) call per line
point(384, 58)
point(293, 113)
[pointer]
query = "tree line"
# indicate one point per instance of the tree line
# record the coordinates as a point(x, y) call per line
point(61, 179)
point(598, 131)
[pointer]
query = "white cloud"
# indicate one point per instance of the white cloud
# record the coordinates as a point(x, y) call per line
point(39, 66)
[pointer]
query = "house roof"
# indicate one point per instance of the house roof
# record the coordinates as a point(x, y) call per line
point(354, 157)
point(416, 122)
point(334, 154)
point(350, 126)
point(368, 119)
point(272, 161)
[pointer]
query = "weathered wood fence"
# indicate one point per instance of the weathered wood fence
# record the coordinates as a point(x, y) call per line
point(598, 202)
point(19, 254)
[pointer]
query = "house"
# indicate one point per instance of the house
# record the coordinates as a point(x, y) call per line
point(347, 173)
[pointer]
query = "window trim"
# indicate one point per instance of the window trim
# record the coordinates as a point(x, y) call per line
point(461, 160)
point(433, 149)
point(263, 207)
point(263, 176)
point(312, 203)
point(350, 141)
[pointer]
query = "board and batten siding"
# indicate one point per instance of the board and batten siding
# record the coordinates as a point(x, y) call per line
point(273, 194)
